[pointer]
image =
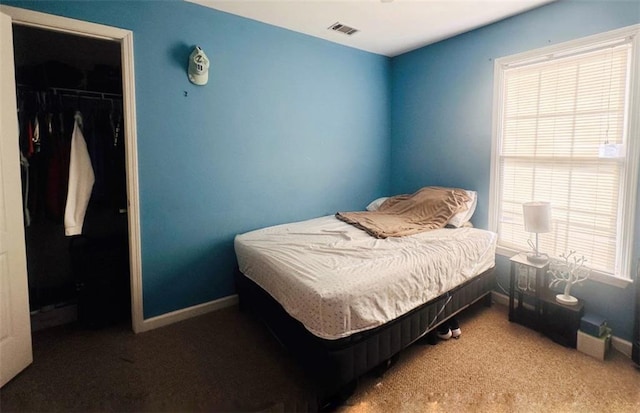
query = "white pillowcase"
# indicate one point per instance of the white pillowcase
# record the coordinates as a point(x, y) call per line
point(375, 205)
point(459, 219)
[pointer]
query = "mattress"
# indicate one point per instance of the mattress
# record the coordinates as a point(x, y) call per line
point(337, 280)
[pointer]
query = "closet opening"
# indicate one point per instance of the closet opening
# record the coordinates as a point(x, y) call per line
point(72, 145)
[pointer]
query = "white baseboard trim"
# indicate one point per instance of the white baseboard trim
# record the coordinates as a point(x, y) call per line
point(186, 313)
point(500, 298)
point(623, 346)
point(619, 344)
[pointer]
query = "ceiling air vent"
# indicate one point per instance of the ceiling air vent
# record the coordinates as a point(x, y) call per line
point(339, 27)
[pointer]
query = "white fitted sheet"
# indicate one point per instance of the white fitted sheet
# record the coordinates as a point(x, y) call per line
point(338, 280)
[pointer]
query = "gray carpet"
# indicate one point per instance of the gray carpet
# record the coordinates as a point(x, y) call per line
point(227, 361)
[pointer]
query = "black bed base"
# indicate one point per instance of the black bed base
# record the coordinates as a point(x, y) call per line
point(336, 364)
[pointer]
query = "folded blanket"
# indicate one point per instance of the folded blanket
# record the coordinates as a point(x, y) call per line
point(429, 208)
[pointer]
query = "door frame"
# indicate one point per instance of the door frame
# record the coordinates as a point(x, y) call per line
point(125, 39)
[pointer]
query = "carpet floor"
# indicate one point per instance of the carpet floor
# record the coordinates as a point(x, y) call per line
point(228, 361)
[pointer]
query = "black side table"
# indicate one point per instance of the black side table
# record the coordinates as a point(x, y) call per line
point(537, 307)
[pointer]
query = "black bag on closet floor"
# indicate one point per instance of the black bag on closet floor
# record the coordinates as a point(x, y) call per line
point(101, 269)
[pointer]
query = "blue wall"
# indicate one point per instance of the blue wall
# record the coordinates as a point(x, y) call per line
point(292, 127)
point(289, 127)
point(441, 115)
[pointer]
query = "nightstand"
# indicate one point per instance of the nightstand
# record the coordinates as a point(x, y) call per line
point(537, 307)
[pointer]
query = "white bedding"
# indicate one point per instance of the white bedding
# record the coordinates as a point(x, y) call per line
point(338, 280)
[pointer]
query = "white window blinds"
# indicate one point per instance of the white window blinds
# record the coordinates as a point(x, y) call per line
point(558, 112)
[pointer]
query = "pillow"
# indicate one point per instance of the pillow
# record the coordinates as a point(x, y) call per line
point(462, 217)
point(375, 205)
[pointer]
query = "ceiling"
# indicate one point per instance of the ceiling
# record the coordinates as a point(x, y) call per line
point(386, 27)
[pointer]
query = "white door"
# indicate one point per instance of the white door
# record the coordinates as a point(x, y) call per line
point(15, 323)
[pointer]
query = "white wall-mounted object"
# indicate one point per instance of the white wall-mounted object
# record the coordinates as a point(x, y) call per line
point(198, 71)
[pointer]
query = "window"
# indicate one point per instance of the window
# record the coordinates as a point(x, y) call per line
point(564, 133)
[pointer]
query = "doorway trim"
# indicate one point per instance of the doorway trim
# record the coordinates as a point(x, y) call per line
point(125, 38)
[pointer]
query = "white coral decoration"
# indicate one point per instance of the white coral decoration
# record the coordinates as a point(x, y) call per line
point(570, 271)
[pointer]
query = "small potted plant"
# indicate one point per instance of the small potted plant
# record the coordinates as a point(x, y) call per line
point(569, 270)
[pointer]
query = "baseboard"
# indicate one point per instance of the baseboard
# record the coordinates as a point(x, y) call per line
point(186, 313)
point(53, 317)
point(619, 344)
point(500, 298)
point(622, 345)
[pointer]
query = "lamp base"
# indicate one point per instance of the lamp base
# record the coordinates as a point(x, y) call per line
point(566, 299)
point(537, 258)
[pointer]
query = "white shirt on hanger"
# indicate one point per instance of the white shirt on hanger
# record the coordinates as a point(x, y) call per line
point(81, 179)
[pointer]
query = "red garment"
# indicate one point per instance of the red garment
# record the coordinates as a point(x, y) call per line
point(30, 140)
point(57, 172)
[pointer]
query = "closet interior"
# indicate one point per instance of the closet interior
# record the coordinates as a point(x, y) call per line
point(70, 114)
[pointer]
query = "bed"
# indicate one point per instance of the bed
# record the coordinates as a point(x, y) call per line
point(344, 302)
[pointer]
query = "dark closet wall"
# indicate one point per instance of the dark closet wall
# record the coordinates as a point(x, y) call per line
point(36, 46)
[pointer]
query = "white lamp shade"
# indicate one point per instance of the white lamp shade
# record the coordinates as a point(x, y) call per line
point(537, 216)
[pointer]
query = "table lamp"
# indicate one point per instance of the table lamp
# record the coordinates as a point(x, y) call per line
point(537, 219)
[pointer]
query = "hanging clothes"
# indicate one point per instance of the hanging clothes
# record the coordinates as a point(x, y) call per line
point(119, 174)
point(58, 148)
point(98, 138)
point(81, 179)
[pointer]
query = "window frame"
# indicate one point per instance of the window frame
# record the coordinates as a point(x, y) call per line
point(629, 179)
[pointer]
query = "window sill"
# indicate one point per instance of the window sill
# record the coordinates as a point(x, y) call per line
point(594, 276)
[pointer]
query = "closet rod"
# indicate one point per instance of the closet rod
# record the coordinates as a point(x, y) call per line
point(77, 92)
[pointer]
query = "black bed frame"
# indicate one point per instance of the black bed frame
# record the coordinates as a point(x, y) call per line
point(336, 365)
